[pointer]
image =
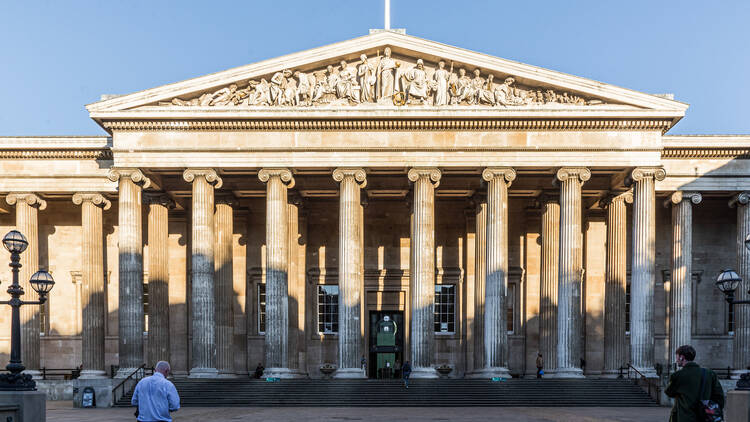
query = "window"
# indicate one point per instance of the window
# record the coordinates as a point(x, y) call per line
point(627, 309)
point(261, 308)
point(510, 307)
point(445, 304)
point(328, 309)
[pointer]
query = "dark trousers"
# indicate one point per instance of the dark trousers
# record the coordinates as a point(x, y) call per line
point(538, 371)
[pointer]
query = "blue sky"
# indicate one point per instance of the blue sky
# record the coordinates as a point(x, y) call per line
point(56, 56)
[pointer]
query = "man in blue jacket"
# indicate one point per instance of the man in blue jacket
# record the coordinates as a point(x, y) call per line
point(155, 396)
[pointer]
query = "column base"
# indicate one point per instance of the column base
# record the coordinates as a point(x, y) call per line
point(566, 373)
point(489, 373)
point(350, 373)
point(204, 373)
point(35, 373)
point(283, 373)
point(88, 374)
point(736, 373)
point(424, 373)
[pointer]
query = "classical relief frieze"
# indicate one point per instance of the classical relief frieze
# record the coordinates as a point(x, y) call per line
point(383, 80)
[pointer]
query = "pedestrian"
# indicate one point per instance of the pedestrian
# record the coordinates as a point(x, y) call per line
point(690, 385)
point(363, 362)
point(258, 371)
point(539, 366)
point(155, 396)
point(406, 373)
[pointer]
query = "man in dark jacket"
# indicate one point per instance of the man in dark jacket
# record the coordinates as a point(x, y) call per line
point(685, 386)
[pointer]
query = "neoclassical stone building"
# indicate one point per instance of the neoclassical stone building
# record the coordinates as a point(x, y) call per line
point(276, 212)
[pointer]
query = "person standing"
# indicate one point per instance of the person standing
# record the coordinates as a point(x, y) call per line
point(406, 373)
point(687, 384)
point(539, 365)
point(155, 396)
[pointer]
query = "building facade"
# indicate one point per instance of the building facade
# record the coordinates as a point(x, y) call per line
point(276, 213)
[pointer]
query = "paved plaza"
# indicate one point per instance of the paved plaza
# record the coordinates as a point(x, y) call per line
point(64, 412)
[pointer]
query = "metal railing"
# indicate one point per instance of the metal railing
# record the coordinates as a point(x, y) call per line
point(650, 385)
point(130, 381)
point(57, 373)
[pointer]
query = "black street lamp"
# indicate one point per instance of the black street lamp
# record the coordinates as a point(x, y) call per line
point(727, 282)
point(42, 282)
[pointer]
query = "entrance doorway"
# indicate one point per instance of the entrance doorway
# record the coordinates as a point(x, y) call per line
point(391, 347)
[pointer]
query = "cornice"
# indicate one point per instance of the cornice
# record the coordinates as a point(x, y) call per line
point(55, 154)
point(707, 152)
point(421, 124)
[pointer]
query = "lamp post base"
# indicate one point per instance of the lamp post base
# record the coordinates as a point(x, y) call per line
point(17, 382)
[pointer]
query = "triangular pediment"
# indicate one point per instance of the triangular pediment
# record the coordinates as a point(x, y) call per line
point(391, 72)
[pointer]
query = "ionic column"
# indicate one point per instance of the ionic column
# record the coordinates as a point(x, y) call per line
point(615, 345)
point(130, 241)
point(548, 298)
point(496, 283)
point(159, 204)
point(643, 269)
point(741, 348)
point(680, 318)
point(422, 271)
point(93, 291)
point(202, 303)
point(569, 320)
point(224, 229)
point(27, 207)
point(277, 271)
point(351, 275)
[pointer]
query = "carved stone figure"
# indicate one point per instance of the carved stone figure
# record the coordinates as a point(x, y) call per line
point(416, 84)
point(347, 87)
point(463, 89)
point(305, 88)
point(366, 78)
point(387, 75)
point(504, 94)
point(485, 94)
point(278, 87)
point(440, 79)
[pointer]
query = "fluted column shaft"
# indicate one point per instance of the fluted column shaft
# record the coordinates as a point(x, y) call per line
point(422, 270)
point(549, 274)
point(203, 304)
point(681, 309)
point(93, 292)
point(130, 240)
point(159, 204)
point(496, 284)
point(480, 272)
point(27, 207)
point(351, 273)
point(615, 283)
point(643, 269)
point(277, 269)
point(569, 320)
point(224, 221)
point(741, 347)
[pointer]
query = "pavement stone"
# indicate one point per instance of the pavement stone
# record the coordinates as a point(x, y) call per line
point(64, 412)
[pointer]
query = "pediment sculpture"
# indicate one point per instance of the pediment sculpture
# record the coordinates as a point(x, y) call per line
point(384, 80)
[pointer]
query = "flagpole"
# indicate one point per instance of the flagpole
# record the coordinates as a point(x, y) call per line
point(387, 15)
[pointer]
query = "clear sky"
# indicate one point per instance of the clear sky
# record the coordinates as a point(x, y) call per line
point(56, 56)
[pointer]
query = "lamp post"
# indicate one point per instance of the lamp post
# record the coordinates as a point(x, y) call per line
point(42, 282)
point(727, 282)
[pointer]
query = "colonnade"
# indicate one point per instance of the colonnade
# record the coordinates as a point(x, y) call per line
point(561, 328)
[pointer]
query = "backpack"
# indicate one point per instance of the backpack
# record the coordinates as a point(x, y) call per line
point(708, 410)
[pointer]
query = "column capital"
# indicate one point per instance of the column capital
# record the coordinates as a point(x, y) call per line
point(507, 174)
point(612, 197)
point(581, 174)
point(739, 199)
point(678, 196)
point(284, 174)
point(160, 198)
point(432, 174)
point(209, 174)
point(226, 198)
point(358, 174)
point(136, 175)
point(29, 198)
point(94, 197)
point(640, 173)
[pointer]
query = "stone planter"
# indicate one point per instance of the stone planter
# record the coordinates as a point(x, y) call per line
point(327, 369)
point(444, 370)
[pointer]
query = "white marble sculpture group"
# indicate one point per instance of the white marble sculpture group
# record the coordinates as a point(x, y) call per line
point(384, 81)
